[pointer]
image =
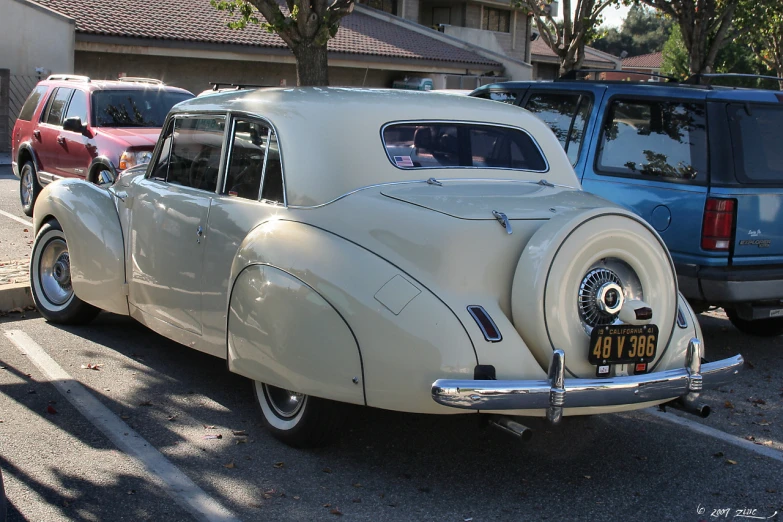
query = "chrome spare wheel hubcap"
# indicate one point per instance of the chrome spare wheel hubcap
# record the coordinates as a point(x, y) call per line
point(600, 297)
point(55, 272)
point(286, 403)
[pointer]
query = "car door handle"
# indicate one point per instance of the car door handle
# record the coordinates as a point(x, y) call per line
point(37, 134)
point(199, 233)
point(61, 140)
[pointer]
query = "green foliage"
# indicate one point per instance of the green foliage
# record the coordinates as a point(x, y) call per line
point(759, 25)
point(643, 31)
point(734, 57)
point(240, 8)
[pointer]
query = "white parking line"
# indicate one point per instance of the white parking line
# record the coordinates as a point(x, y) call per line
point(186, 493)
point(15, 218)
point(718, 434)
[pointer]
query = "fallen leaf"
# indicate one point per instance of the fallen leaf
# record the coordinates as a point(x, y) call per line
point(750, 438)
point(25, 230)
point(732, 462)
point(297, 497)
point(759, 401)
point(239, 433)
point(425, 489)
point(336, 511)
point(357, 485)
point(131, 492)
point(771, 490)
point(728, 405)
point(51, 410)
point(267, 496)
point(213, 437)
point(172, 417)
point(230, 465)
point(719, 454)
point(749, 364)
point(90, 366)
point(66, 503)
point(327, 470)
point(240, 441)
point(357, 501)
point(146, 403)
point(208, 427)
point(125, 417)
point(588, 477)
point(327, 505)
point(279, 464)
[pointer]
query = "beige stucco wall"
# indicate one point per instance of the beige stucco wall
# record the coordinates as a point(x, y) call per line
point(194, 74)
point(33, 36)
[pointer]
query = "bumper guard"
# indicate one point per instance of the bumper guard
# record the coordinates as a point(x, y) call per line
point(557, 392)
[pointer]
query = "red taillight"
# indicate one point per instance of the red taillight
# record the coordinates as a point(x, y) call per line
point(718, 224)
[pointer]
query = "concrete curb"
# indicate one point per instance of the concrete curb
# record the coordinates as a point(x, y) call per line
point(15, 296)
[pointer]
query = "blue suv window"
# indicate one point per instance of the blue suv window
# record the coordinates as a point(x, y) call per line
point(566, 115)
point(652, 138)
point(755, 133)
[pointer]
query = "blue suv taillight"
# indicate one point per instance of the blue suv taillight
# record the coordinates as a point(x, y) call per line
point(718, 227)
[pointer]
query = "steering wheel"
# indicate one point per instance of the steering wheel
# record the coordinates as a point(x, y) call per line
point(200, 169)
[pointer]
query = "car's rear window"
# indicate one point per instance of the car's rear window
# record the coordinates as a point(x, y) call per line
point(755, 136)
point(133, 108)
point(437, 145)
point(28, 109)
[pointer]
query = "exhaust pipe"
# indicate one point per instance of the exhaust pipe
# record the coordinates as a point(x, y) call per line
point(699, 409)
point(509, 425)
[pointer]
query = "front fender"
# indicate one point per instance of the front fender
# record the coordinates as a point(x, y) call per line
point(88, 217)
point(405, 338)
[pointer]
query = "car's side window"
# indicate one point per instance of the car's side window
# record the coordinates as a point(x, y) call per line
point(54, 115)
point(195, 152)
point(662, 139)
point(566, 115)
point(160, 171)
point(273, 172)
point(78, 106)
point(28, 109)
point(249, 146)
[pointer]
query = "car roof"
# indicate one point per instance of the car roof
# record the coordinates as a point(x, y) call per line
point(664, 89)
point(105, 85)
point(330, 137)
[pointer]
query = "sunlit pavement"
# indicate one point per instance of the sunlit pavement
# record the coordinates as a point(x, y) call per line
point(58, 465)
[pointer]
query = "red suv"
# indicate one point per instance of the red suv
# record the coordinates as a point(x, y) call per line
point(71, 126)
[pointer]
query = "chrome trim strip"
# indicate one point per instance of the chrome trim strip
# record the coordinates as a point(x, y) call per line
point(426, 181)
point(580, 393)
point(681, 321)
point(472, 312)
point(462, 122)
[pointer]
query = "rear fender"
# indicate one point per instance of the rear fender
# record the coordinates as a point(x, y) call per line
point(306, 311)
point(88, 217)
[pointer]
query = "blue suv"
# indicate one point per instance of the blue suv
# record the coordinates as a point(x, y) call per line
point(703, 165)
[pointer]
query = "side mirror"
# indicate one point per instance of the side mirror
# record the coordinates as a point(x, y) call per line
point(73, 124)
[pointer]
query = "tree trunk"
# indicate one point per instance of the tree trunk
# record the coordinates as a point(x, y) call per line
point(312, 67)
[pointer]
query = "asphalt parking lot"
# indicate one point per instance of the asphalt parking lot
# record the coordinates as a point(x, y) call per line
point(63, 459)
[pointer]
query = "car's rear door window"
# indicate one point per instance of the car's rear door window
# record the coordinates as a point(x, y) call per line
point(566, 115)
point(195, 152)
point(654, 138)
point(254, 159)
point(54, 114)
point(29, 107)
point(755, 136)
point(429, 145)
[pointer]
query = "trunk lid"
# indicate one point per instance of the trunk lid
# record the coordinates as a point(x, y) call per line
point(758, 167)
point(477, 201)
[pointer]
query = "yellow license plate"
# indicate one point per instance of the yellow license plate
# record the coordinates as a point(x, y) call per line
point(623, 344)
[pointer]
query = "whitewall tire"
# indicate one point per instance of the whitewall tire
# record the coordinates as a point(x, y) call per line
point(297, 419)
point(50, 279)
point(573, 255)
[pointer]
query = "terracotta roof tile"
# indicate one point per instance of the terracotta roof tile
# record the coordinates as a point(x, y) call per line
point(198, 21)
point(645, 61)
point(540, 48)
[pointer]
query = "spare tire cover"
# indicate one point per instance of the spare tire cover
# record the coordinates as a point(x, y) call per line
point(545, 297)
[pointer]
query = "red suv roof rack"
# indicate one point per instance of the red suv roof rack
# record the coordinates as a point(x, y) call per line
point(69, 77)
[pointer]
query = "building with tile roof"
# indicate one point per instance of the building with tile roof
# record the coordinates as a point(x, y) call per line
point(546, 65)
point(645, 63)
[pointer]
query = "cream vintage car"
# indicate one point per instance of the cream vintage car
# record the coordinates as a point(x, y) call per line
point(408, 251)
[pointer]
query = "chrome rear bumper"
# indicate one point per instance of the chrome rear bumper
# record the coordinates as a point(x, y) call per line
point(557, 392)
